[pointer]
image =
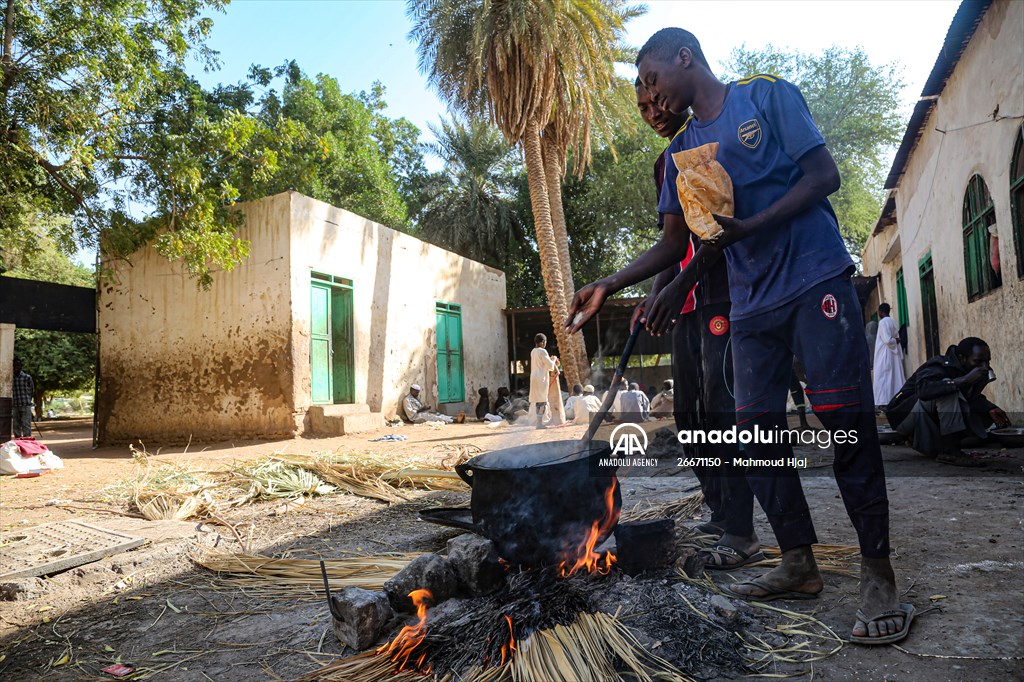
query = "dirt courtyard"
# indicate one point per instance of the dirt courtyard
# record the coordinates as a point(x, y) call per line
point(957, 537)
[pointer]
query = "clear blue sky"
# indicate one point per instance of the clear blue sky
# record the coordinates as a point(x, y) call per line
point(360, 41)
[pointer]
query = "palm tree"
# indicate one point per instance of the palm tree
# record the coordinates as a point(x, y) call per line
point(528, 64)
point(468, 207)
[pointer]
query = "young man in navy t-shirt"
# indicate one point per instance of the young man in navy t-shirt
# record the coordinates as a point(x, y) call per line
point(702, 370)
point(789, 279)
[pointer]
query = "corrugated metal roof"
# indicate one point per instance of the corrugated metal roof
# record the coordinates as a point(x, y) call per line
point(967, 18)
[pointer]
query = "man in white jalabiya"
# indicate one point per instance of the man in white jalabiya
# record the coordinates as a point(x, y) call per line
point(888, 364)
point(541, 366)
point(418, 413)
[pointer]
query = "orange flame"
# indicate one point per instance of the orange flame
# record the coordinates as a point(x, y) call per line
point(408, 639)
point(510, 648)
point(585, 557)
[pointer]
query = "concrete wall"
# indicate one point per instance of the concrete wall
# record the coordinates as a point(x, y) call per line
point(930, 197)
point(178, 362)
point(396, 281)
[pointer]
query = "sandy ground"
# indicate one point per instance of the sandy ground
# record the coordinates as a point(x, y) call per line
point(956, 534)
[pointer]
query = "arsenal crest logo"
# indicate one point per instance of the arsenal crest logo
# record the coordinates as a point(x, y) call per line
point(718, 325)
point(829, 307)
point(750, 133)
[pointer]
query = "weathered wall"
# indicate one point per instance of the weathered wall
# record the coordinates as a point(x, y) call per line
point(178, 362)
point(396, 281)
point(961, 138)
point(882, 256)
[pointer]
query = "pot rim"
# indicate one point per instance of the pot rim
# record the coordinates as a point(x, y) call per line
point(581, 453)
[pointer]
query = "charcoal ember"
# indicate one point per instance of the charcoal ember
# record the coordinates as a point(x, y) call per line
point(690, 562)
point(360, 616)
point(426, 572)
point(476, 563)
point(645, 545)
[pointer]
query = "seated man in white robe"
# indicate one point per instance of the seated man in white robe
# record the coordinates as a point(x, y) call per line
point(418, 413)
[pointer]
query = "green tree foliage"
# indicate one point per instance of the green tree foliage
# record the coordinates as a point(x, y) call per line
point(57, 361)
point(468, 207)
point(99, 121)
point(333, 146)
point(610, 211)
point(856, 105)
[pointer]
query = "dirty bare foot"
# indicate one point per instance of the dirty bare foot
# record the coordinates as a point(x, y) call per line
point(798, 572)
point(877, 594)
point(746, 546)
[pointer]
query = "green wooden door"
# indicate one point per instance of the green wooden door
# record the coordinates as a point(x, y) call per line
point(929, 307)
point(343, 345)
point(450, 382)
point(902, 310)
point(320, 343)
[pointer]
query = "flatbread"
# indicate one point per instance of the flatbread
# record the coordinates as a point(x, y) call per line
point(704, 188)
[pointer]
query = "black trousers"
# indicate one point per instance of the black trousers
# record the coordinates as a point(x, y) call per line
point(703, 373)
point(822, 327)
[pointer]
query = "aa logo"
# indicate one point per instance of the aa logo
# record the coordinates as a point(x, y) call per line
point(750, 133)
point(629, 440)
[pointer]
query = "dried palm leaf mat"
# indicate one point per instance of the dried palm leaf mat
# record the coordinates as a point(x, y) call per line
point(547, 625)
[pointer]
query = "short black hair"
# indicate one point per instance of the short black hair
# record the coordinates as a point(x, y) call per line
point(967, 346)
point(634, 386)
point(539, 339)
point(577, 389)
point(667, 42)
point(885, 308)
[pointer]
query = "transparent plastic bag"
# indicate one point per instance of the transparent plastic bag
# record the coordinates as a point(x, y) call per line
point(704, 188)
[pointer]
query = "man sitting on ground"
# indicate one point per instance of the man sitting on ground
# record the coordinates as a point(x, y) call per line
point(662, 404)
point(418, 413)
point(942, 403)
point(570, 404)
point(632, 405)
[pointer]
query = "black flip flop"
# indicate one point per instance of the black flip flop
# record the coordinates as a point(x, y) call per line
point(772, 595)
point(905, 610)
point(721, 552)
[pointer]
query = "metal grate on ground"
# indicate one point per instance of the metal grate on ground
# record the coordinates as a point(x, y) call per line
point(55, 547)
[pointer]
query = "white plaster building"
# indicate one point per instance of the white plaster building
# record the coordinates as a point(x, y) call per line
point(322, 329)
point(948, 249)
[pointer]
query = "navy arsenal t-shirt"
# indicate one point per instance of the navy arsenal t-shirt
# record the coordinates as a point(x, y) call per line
point(763, 130)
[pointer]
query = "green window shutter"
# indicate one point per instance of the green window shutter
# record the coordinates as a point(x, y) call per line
point(902, 310)
point(978, 214)
point(1017, 199)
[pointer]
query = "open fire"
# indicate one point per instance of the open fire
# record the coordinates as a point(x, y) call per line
point(585, 558)
point(407, 641)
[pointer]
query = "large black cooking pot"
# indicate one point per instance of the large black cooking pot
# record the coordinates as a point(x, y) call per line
point(537, 503)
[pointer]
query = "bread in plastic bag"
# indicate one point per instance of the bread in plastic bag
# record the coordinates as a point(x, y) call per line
point(704, 188)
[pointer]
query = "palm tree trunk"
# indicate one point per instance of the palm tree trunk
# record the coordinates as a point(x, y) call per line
point(553, 179)
point(550, 268)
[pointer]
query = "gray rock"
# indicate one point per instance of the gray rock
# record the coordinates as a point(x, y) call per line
point(690, 562)
point(22, 589)
point(727, 610)
point(475, 561)
point(426, 572)
point(363, 616)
